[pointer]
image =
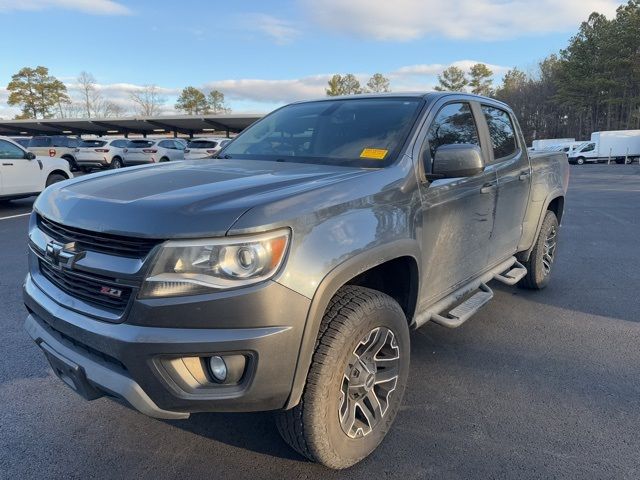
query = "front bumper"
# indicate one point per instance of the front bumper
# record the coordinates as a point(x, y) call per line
point(128, 360)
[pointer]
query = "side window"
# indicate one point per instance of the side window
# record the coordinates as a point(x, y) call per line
point(454, 124)
point(589, 148)
point(10, 151)
point(501, 130)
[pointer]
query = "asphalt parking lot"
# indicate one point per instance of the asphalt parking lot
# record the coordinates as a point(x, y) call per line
point(537, 385)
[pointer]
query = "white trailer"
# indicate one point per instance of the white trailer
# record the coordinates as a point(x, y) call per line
point(620, 146)
point(550, 142)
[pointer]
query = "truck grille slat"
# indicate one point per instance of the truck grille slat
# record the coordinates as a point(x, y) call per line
point(85, 288)
point(98, 242)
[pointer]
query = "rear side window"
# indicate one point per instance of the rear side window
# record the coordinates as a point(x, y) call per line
point(166, 144)
point(119, 143)
point(454, 124)
point(202, 144)
point(501, 130)
point(92, 143)
point(40, 142)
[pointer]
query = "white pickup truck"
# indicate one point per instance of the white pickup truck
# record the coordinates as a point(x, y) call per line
point(23, 174)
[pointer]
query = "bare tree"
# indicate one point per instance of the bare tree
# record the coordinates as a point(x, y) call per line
point(90, 96)
point(148, 100)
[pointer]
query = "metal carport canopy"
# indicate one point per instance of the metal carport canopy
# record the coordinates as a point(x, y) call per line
point(182, 124)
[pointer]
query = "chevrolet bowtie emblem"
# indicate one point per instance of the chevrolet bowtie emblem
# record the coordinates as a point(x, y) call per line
point(62, 255)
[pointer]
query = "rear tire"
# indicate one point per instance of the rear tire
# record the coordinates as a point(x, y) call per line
point(540, 263)
point(73, 165)
point(356, 380)
point(164, 159)
point(116, 162)
point(55, 178)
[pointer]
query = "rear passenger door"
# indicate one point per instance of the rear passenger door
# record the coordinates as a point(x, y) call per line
point(457, 213)
point(509, 160)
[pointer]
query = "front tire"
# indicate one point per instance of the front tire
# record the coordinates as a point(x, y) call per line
point(540, 263)
point(356, 380)
point(580, 161)
point(55, 178)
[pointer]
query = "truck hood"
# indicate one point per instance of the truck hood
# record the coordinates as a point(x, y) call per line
point(183, 199)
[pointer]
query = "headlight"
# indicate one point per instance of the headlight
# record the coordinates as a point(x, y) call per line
point(191, 267)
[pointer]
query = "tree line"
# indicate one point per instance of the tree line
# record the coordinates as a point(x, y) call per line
point(593, 84)
point(41, 95)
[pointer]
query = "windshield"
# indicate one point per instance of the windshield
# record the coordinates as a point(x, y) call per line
point(202, 144)
point(140, 143)
point(92, 143)
point(367, 132)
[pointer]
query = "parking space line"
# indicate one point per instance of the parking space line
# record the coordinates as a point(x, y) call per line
point(15, 216)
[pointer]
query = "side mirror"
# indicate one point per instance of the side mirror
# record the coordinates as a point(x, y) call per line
point(30, 156)
point(458, 160)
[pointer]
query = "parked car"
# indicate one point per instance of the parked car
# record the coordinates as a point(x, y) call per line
point(621, 146)
point(56, 146)
point(101, 153)
point(22, 141)
point(288, 274)
point(544, 144)
point(141, 151)
point(23, 174)
point(206, 147)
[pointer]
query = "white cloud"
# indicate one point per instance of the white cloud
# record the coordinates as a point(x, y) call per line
point(92, 7)
point(432, 69)
point(272, 91)
point(404, 20)
point(278, 30)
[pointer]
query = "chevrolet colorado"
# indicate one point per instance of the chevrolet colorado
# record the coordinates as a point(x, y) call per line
point(287, 273)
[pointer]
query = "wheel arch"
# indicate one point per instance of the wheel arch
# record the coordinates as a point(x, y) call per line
point(58, 172)
point(554, 203)
point(366, 269)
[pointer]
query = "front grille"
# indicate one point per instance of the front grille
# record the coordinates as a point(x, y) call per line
point(98, 242)
point(87, 288)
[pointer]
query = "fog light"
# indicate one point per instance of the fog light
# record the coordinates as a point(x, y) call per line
point(218, 368)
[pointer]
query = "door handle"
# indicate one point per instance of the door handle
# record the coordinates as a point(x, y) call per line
point(488, 187)
point(524, 175)
point(7, 164)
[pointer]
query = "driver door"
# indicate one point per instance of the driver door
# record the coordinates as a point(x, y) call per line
point(19, 174)
point(457, 213)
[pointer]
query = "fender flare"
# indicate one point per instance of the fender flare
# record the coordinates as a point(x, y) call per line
point(557, 193)
point(327, 288)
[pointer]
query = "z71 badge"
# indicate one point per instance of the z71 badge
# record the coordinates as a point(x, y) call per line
point(111, 292)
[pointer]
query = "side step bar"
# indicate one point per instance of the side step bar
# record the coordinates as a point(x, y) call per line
point(466, 309)
point(448, 312)
point(513, 276)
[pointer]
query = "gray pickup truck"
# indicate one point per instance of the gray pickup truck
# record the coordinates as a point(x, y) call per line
point(287, 273)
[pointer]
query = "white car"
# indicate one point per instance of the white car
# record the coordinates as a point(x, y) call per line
point(101, 153)
point(203, 148)
point(23, 174)
point(140, 151)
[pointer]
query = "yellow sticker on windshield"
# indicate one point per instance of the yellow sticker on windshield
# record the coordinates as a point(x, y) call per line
point(374, 153)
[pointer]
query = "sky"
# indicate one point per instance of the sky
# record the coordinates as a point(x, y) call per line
point(262, 54)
